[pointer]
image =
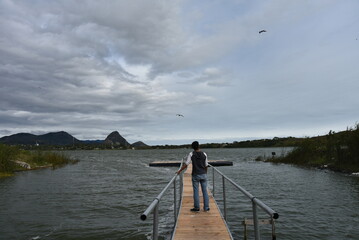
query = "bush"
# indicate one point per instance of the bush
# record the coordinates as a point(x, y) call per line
point(7, 155)
point(340, 151)
point(40, 158)
point(10, 154)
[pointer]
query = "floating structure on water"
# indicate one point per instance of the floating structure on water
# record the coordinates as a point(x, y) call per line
point(215, 163)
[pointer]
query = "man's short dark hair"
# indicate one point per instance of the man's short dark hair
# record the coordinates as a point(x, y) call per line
point(195, 145)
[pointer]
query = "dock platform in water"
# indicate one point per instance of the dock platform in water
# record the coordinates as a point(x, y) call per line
point(198, 225)
point(215, 163)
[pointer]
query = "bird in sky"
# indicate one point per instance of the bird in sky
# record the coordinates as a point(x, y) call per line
point(179, 115)
point(262, 31)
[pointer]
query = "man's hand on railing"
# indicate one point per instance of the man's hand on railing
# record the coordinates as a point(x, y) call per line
point(184, 166)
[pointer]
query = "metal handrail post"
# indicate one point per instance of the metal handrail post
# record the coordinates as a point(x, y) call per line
point(213, 181)
point(224, 199)
point(174, 201)
point(181, 185)
point(255, 221)
point(155, 223)
point(274, 237)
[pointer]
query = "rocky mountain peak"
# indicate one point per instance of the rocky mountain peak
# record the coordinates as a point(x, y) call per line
point(116, 139)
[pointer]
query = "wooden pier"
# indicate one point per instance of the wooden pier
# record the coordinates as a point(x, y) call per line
point(198, 225)
point(205, 224)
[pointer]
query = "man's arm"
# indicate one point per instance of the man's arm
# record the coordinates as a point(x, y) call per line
point(184, 166)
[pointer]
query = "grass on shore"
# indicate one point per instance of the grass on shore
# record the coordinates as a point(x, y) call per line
point(36, 159)
point(335, 151)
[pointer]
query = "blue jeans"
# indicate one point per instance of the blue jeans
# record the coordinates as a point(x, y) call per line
point(202, 179)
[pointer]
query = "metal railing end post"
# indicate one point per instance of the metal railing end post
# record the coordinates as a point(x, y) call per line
point(255, 220)
point(155, 223)
point(224, 198)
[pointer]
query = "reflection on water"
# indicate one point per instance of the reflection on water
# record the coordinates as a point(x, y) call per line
point(103, 196)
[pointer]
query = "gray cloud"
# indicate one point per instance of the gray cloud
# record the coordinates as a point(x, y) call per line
point(210, 76)
point(54, 63)
point(91, 67)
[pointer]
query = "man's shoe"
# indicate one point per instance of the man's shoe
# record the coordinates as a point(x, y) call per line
point(195, 210)
point(206, 210)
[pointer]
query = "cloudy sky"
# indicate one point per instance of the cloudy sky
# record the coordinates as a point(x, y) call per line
point(91, 67)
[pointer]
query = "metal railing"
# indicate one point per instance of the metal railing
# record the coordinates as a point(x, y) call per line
point(154, 206)
point(255, 203)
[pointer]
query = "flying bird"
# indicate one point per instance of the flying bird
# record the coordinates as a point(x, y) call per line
point(179, 115)
point(262, 31)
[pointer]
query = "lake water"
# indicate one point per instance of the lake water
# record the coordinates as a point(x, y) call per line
point(103, 195)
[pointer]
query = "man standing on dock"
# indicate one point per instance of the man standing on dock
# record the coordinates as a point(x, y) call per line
point(199, 175)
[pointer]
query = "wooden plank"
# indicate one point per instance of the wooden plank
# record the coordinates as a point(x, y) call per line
point(199, 225)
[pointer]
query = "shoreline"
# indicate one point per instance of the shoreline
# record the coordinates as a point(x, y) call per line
point(328, 167)
point(10, 174)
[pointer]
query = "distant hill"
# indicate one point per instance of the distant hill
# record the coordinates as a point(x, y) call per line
point(20, 138)
point(54, 138)
point(139, 144)
point(92, 141)
point(115, 139)
point(58, 138)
